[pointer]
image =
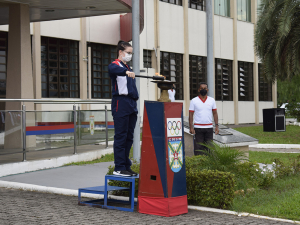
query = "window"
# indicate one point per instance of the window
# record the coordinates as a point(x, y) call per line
point(147, 59)
point(244, 10)
point(197, 4)
point(222, 7)
point(102, 56)
point(3, 61)
point(198, 73)
point(245, 75)
point(60, 68)
point(223, 80)
point(175, 2)
point(171, 66)
point(265, 87)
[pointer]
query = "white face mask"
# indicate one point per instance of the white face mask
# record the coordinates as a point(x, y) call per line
point(127, 57)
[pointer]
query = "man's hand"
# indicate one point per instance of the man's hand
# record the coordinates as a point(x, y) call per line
point(130, 74)
point(217, 130)
point(192, 131)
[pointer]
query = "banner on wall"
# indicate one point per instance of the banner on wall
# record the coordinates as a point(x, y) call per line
point(92, 125)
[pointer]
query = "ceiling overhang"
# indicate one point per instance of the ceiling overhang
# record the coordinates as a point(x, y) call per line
point(46, 10)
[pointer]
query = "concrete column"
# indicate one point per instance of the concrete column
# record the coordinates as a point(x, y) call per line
point(233, 13)
point(82, 63)
point(255, 65)
point(19, 68)
point(36, 60)
point(274, 94)
point(210, 48)
point(186, 71)
point(157, 43)
point(136, 70)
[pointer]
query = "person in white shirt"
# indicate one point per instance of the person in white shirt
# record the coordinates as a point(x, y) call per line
point(172, 93)
point(201, 110)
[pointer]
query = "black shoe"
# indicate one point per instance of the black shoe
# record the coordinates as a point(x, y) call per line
point(123, 173)
point(132, 172)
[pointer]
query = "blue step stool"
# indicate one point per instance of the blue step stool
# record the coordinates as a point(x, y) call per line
point(104, 191)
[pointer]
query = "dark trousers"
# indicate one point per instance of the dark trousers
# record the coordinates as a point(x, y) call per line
point(125, 116)
point(203, 135)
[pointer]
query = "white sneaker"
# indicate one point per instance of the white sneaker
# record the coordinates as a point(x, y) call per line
point(123, 173)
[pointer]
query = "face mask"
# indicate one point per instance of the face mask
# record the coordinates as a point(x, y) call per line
point(127, 57)
point(203, 92)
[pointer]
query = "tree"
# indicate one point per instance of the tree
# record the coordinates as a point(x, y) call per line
point(277, 38)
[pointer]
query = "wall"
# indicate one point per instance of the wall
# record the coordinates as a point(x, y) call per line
point(171, 28)
point(245, 41)
point(225, 112)
point(197, 32)
point(223, 37)
point(246, 112)
point(103, 29)
point(66, 29)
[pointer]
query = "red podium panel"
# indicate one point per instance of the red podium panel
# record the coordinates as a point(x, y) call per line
point(162, 184)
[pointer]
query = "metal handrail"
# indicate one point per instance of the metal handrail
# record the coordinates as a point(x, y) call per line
point(57, 101)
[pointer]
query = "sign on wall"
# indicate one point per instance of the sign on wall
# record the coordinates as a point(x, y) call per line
point(92, 125)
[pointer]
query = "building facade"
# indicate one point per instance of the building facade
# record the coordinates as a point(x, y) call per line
point(172, 43)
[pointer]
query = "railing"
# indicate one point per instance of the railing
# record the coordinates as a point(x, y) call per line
point(60, 129)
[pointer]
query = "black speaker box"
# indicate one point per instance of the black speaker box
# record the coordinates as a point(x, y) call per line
point(274, 119)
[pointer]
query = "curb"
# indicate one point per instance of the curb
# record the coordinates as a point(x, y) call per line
point(29, 166)
point(282, 146)
point(70, 192)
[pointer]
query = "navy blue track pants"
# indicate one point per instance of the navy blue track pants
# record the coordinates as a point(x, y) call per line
point(124, 112)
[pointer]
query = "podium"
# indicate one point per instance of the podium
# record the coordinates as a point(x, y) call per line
point(162, 184)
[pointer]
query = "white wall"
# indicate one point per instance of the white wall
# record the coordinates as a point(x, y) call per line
point(171, 28)
point(6, 27)
point(103, 29)
point(225, 111)
point(264, 105)
point(66, 29)
point(246, 112)
point(197, 32)
point(245, 41)
point(223, 37)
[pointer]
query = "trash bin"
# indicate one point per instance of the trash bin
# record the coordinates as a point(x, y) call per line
point(274, 119)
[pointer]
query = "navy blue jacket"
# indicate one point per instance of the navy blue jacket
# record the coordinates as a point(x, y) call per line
point(121, 83)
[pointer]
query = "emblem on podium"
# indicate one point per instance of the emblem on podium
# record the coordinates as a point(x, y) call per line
point(174, 133)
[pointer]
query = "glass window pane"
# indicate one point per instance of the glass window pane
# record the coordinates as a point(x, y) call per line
point(3, 60)
point(53, 94)
point(3, 76)
point(52, 71)
point(73, 65)
point(63, 72)
point(53, 78)
point(63, 57)
point(64, 65)
point(53, 64)
point(3, 68)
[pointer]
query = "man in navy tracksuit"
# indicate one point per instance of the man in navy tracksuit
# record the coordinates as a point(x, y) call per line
point(124, 110)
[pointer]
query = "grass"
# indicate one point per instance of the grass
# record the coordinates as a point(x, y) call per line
point(282, 200)
point(104, 158)
point(290, 136)
point(268, 157)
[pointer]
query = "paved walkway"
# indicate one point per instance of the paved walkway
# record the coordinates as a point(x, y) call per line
point(22, 207)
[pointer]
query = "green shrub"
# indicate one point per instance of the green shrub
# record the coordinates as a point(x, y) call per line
point(210, 188)
point(223, 158)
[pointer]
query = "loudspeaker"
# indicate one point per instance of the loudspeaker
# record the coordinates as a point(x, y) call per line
point(274, 120)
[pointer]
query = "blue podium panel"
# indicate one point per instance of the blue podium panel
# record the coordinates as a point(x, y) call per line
point(102, 203)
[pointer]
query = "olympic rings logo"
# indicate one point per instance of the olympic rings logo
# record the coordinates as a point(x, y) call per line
point(174, 127)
